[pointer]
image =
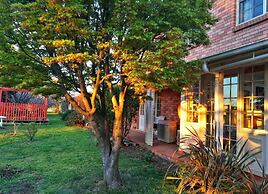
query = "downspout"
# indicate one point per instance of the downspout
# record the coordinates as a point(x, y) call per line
point(205, 69)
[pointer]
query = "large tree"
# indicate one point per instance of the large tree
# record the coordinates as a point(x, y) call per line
point(97, 46)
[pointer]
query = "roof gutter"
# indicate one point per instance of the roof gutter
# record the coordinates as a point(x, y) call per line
point(241, 50)
point(261, 58)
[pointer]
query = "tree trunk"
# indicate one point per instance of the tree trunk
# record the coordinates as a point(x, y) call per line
point(111, 172)
point(110, 155)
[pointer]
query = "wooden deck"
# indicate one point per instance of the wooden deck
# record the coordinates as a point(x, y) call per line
point(24, 112)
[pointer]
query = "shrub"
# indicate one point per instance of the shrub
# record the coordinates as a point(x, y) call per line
point(30, 131)
point(73, 118)
point(211, 169)
point(65, 114)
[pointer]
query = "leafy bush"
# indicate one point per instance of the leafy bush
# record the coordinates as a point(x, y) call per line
point(211, 169)
point(30, 131)
point(72, 118)
point(65, 114)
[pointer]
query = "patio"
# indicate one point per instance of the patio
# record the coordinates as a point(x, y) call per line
point(167, 151)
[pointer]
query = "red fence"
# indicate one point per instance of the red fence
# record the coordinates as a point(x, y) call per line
point(23, 112)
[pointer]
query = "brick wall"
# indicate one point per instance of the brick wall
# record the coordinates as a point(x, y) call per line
point(169, 104)
point(226, 35)
point(169, 107)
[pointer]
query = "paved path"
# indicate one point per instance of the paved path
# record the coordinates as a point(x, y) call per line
point(162, 149)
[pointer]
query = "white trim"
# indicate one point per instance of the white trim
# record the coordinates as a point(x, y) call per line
point(265, 153)
point(265, 10)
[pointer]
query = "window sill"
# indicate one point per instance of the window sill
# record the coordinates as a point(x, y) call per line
point(250, 23)
point(256, 131)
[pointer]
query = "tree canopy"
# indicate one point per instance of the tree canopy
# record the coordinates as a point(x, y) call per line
point(90, 47)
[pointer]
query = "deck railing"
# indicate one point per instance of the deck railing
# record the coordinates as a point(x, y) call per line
point(23, 112)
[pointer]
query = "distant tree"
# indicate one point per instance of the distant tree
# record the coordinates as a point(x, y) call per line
point(96, 47)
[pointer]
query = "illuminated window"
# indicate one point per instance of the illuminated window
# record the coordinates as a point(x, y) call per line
point(249, 9)
point(254, 97)
point(192, 99)
point(207, 97)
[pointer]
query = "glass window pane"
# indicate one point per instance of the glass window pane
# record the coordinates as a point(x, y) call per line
point(233, 132)
point(258, 104)
point(258, 121)
point(258, 10)
point(234, 80)
point(234, 91)
point(247, 104)
point(258, 88)
point(248, 74)
point(258, 7)
point(247, 121)
point(226, 81)
point(234, 104)
point(226, 91)
point(247, 89)
point(234, 118)
point(226, 131)
point(258, 72)
point(226, 118)
point(227, 103)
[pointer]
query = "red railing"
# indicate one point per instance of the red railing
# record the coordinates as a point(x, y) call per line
point(23, 112)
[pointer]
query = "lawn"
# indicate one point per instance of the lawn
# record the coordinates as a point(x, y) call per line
point(65, 159)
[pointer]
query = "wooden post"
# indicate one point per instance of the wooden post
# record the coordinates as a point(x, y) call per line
point(149, 132)
point(1, 94)
point(265, 144)
point(6, 92)
point(219, 105)
point(45, 109)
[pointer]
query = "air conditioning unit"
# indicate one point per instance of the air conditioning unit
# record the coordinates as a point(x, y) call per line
point(166, 131)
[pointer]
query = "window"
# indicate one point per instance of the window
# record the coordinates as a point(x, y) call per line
point(249, 9)
point(254, 97)
point(207, 95)
point(192, 99)
point(157, 111)
point(230, 94)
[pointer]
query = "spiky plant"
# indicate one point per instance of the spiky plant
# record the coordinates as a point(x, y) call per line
point(212, 169)
point(256, 185)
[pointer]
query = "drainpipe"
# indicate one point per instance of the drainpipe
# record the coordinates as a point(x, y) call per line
point(205, 70)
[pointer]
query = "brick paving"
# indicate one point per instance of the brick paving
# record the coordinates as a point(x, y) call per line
point(165, 150)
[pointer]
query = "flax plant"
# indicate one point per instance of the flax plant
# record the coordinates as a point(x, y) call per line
point(212, 169)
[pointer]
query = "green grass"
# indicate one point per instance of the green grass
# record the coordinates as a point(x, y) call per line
point(65, 159)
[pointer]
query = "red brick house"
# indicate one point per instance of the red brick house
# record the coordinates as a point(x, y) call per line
point(231, 100)
point(163, 106)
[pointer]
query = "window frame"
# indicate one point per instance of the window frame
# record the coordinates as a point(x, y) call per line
point(265, 10)
point(190, 94)
point(251, 97)
point(157, 105)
